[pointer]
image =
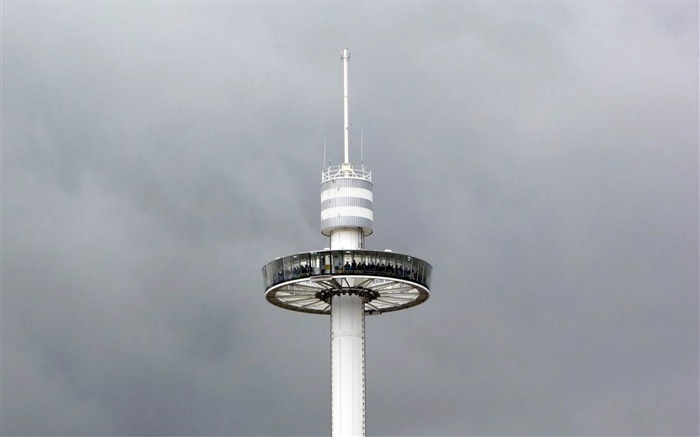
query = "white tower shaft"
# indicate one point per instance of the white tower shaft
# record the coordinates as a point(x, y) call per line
point(347, 352)
point(347, 324)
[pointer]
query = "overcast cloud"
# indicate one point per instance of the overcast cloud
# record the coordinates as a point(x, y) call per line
point(542, 156)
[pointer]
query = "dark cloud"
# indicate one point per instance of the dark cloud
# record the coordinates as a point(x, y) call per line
point(543, 157)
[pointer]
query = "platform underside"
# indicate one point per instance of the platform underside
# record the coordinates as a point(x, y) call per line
point(380, 294)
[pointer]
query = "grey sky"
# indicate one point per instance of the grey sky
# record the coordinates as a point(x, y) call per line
point(542, 156)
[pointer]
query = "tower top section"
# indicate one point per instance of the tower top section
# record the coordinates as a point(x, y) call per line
point(346, 190)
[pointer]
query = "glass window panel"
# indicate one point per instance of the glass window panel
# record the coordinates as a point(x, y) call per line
point(390, 263)
point(399, 265)
point(302, 263)
point(271, 274)
point(407, 267)
point(326, 264)
point(354, 262)
point(310, 265)
point(313, 264)
point(359, 258)
point(318, 263)
point(347, 262)
point(279, 264)
point(369, 261)
point(337, 262)
point(287, 268)
point(381, 260)
point(294, 266)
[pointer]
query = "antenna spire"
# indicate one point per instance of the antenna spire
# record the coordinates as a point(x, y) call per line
point(345, 56)
point(362, 149)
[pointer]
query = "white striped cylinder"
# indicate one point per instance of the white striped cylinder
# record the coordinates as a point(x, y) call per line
point(346, 202)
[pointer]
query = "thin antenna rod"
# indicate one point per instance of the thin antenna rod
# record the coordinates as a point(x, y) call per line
point(325, 144)
point(345, 56)
point(362, 148)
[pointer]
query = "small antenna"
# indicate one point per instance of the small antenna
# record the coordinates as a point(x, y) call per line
point(325, 144)
point(362, 149)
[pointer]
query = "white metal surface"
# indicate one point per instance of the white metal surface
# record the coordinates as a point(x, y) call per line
point(346, 57)
point(346, 192)
point(347, 210)
point(347, 239)
point(347, 351)
point(347, 313)
point(348, 366)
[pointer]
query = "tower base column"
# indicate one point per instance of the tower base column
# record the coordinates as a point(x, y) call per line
point(348, 365)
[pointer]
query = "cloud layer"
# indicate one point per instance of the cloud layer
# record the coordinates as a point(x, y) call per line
point(543, 157)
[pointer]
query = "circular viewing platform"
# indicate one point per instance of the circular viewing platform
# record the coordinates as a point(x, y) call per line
point(386, 281)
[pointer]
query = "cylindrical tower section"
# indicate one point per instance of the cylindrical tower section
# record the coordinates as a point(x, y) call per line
point(347, 347)
point(346, 200)
point(347, 366)
point(347, 217)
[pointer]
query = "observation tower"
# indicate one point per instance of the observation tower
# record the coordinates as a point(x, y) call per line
point(347, 281)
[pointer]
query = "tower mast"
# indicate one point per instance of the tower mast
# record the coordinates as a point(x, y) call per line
point(345, 56)
point(347, 281)
point(347, 323)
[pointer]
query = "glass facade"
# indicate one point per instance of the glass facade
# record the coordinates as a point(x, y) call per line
point(347, 262)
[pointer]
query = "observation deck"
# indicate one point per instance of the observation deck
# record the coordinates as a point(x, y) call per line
point(386, 281)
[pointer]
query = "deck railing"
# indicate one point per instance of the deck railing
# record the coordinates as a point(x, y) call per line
point(345, 171)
